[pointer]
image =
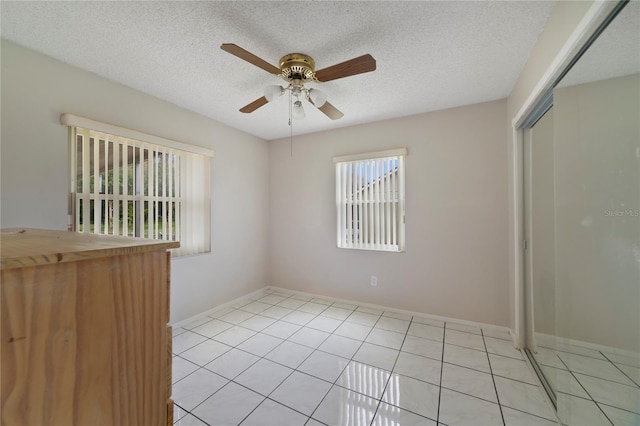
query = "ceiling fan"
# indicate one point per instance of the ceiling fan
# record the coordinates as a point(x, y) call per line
point(297, 69)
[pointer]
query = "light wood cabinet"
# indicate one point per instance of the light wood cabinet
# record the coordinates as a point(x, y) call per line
point(84, 329)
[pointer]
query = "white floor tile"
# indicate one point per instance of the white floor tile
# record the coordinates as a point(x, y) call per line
point(621, 417)
point(496, 333)
point(428, 321)
point(545, 356)
point(190, 420)
point(229, 406)
point(341, 346)
point(390, 415)
point(465, 357)
point(393, 324)
point(324, 366)
point(263, 376)
point(523, 397)
point(418, 367)
point(325, 324)
point(563, 381)
point(186, 340)
point(423, 347)
point(298, 317)
point(470, 382)
point(177, 330)
point(594, 367)
point(232, 363)
point(234, 336)
point(196, 322)
point(272, 299)
point(502, 347)
point(276, 312)
point(289, 354)
point(256, 307)
point(196, 387)
point(291, 303)
point(518, 418)
point(376, 356)
point(463, 327)
point(574, 411)
point(312, 422)
point(240, 303)
point(511, 368)
point(397, 315)
point(309, 337)
point(461, 338)
point(633, 361)
point(212, 328)
point(205, 352)
point(578, 350)
point(364, 379)
point(353, 330)
point(426, 331)
point(270, 413)
point(347, 306)
point(368, 310)
point(312, 308)
point(460, 409)
point(260, 344)
point(611, 393)
point(257, 323)
point(303, 297)
point(301, 391)
point(413, 395)
point(181, 368)
point(236, 316)
point(336, 313)
point(345, 407)
point(363, 318)
point(389, 339)
point(221, 312)
point(282, 329)
point(632, 372)
point(322, 301)
point(178, 413)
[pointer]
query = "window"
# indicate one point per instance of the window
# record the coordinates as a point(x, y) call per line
point(132, 184)
point(370, 200)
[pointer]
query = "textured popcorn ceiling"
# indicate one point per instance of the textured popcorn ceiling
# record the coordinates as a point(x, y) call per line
point(430, 55)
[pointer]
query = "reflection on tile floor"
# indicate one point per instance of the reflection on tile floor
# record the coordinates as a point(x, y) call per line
point(280, 359)
point(594, 387)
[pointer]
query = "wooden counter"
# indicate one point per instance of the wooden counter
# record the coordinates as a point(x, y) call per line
point(84, 329)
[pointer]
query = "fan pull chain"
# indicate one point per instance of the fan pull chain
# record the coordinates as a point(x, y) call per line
point(290, 124)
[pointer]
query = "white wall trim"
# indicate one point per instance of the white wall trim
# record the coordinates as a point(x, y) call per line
point(346, 301)
point(398, 152)
point(87, 123)
point(592, 19)
point(549, 341)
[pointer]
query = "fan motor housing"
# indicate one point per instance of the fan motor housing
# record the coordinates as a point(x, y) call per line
point(297, 66)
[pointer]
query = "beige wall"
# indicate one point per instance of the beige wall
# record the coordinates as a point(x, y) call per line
point(34, 169)
point(456, 260)
point(597, 212)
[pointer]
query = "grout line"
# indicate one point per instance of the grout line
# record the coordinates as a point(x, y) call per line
point(585, 390)
point(444, 333)
point(619, 369)
point(493, 379)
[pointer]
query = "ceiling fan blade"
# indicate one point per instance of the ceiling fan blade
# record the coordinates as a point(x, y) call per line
point(331, 111)
point(249, 57)
point(359, 65)
point(254, 105)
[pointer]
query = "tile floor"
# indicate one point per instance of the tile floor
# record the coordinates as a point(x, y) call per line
point(594, 387)
point(281, 359)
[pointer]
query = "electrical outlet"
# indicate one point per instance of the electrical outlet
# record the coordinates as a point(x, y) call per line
point(374, 280)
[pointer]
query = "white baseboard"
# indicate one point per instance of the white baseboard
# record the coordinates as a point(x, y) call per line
point(548, 340)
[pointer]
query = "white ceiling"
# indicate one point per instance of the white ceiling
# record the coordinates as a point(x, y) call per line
point(430, 55)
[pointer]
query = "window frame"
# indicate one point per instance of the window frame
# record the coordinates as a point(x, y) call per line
point(173, 161)
point(370, 200)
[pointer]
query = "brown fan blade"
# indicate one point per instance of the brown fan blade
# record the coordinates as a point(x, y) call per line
point(359, 65)
point(254, 105)
point(249, 57)
point(331, 111)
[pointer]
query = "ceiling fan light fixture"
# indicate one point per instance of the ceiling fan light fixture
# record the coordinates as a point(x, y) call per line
point(318, 97)
point(298, 111)
point(272, 92)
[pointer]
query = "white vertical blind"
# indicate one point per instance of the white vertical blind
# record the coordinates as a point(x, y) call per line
point(370, 201)
point(121, 186)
